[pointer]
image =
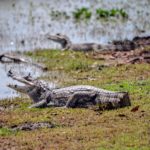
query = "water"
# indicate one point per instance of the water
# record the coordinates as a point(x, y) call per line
point(5, 92)
point(20, 69)
point(24, 24)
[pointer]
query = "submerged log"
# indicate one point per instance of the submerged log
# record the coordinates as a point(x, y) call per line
point(15, 59)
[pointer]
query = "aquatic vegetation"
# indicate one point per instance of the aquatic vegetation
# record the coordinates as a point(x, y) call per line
point(59, 14)
point(85, 14)
point(82, 13)
point(103, 13)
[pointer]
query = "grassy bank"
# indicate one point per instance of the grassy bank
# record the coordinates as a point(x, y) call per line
point(82, 128)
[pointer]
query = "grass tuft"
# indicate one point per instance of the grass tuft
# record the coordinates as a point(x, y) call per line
point(5, 132)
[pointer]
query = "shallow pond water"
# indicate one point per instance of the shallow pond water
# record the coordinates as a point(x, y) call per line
point(20, 69)
point(24, 24)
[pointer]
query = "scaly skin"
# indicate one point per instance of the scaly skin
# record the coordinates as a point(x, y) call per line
point(66, 44)
point(125, 45)
point(73, 96)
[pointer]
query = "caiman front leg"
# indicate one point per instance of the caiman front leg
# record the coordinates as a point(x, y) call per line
point(81, 97)
point(43, 104)
point(40, 104)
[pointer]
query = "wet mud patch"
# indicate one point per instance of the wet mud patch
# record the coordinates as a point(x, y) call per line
point(29, 126)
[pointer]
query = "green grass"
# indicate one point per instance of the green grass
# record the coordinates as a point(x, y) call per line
point(56, 60)
point(83, 128)
point(5, 132)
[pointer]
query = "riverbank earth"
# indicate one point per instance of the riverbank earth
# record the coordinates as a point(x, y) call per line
point(55, 128)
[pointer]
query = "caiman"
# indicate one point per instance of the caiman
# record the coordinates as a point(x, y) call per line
point(66, 43)
point(81, 96)
point(125, 45)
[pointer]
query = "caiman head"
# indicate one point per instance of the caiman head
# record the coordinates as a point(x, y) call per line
point(61, 39)
point(35, 92)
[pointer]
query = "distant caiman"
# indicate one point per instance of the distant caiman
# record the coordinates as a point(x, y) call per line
point(125, 45)
point(81, 96)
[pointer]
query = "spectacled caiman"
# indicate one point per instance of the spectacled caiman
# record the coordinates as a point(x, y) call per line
point(125, 45)
point(82, 96)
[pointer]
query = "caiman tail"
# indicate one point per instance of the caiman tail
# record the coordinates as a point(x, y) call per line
point(128, 45)
point(114, 100)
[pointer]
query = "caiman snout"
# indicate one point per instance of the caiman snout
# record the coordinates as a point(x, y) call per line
point(19, 88)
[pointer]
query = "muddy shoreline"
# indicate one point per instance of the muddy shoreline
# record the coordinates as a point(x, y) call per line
point(131, 52)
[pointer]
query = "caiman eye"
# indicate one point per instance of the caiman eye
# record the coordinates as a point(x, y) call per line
point(28, 90)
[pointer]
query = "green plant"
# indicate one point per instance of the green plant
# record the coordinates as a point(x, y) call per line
point(58, 14)
point(82, 13)
point(102, 13)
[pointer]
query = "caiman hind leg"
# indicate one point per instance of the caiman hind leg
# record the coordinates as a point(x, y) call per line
point(81, 99)
point(42, 104)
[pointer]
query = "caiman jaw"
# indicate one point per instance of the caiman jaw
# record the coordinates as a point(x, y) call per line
point(55, 38)
point(18, 88)
point(52, 37)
